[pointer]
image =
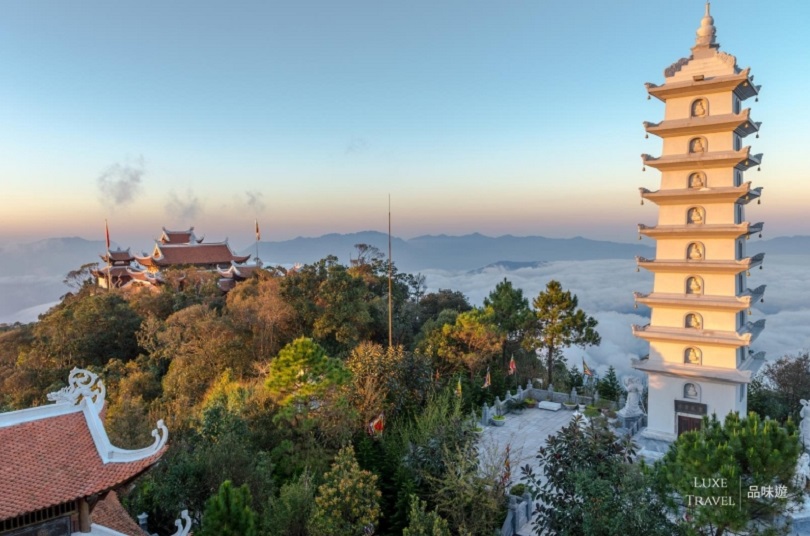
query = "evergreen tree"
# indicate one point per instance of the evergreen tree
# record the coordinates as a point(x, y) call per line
point(739, 454)
point(575, 378)
point(228, 513)
point(558, 324)
point(302, 371)
point(424, 523)
point(348, 500)
point(609, 387)
point(510, 312)
point(288, 514)
point(777, 389)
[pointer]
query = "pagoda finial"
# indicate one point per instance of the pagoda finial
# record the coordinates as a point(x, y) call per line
point(707, 32)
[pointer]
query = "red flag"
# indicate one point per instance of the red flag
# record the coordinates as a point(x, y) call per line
point(376, 426)
point(258, 234)
point(107, 234)
point(585, 369)
point(512, 366)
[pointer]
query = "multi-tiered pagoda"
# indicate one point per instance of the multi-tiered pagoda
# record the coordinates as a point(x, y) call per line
point(699, 333)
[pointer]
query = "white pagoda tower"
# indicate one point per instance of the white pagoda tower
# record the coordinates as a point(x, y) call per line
point(699, 334)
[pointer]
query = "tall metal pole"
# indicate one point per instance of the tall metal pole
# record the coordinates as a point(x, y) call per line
point(390, 275)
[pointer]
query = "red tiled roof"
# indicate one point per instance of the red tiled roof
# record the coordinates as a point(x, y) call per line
point(194, 254)
point(54, 460)
point(179, 237)
point(114, 271)
point(109, 513)
point(118, 256)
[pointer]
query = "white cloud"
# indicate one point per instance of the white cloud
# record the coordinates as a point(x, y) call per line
point(605, 291)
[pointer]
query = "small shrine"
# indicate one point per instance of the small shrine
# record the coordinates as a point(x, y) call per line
point(60, 472)
point(699, 361)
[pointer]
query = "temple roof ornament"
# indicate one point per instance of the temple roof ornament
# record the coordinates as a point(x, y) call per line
point(82, 385)
point(58, 453)
point(707, 33)
point(183, 525)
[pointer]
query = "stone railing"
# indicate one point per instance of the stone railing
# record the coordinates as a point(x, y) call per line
point(520, 512)
point(502, 407)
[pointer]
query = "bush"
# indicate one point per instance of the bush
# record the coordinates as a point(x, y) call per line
point(518, 489)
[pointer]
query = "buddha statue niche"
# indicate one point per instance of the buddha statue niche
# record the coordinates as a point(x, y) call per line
point(695, 216)
point(700, 108)
point(695, 252)
point(697, 180)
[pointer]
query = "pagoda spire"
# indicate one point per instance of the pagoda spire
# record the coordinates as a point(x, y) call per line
point(707, 33)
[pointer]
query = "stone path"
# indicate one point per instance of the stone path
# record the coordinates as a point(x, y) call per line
point(524, 434)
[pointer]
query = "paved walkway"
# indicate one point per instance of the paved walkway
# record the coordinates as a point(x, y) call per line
point(524, 434)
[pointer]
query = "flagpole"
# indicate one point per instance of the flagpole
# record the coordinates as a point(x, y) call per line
point(109, 263)
point(258, 237)
point(390, 271)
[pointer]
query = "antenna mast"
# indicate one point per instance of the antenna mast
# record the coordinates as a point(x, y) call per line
point(390, 275)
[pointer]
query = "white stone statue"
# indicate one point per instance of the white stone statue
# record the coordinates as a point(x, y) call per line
point(802, 475)
point(699, 108)
point(632, 407)
point(804, 426)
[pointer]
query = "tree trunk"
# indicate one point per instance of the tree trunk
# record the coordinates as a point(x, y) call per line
point(549, 365)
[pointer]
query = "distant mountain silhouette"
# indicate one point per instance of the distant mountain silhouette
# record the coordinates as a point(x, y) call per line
point(448, 252)
point(52, 256)
point(783, 245)
point(31, 274)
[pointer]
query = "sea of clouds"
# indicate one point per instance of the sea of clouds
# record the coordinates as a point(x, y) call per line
point(604, 288)
point(605, 291)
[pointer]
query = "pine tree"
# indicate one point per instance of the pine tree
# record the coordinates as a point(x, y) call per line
point(558, 324)
point(347, 501)
point(609, 387)
point(228, 513)
point(424, 523)
point(739, 454)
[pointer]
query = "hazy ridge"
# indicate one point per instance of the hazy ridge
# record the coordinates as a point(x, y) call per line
point(31, 274)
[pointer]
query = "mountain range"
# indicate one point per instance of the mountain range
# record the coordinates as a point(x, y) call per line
point(31, 274)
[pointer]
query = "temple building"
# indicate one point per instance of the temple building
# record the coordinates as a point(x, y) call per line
point(699, 333)
point(234, 274)
point(124, 270)
point(183, 248)
point(60, 473)
point(119, 272)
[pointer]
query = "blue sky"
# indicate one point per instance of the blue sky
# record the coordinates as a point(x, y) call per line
point(497, 117)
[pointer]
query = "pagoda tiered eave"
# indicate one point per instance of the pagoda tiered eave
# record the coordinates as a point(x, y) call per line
point(702, 266)
point(740, 123)
point(741, 160)
point(703, 301)
point(738, 194)
point(725, 375)
point(702, 230)
point(744, 337)
point(742, 84)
